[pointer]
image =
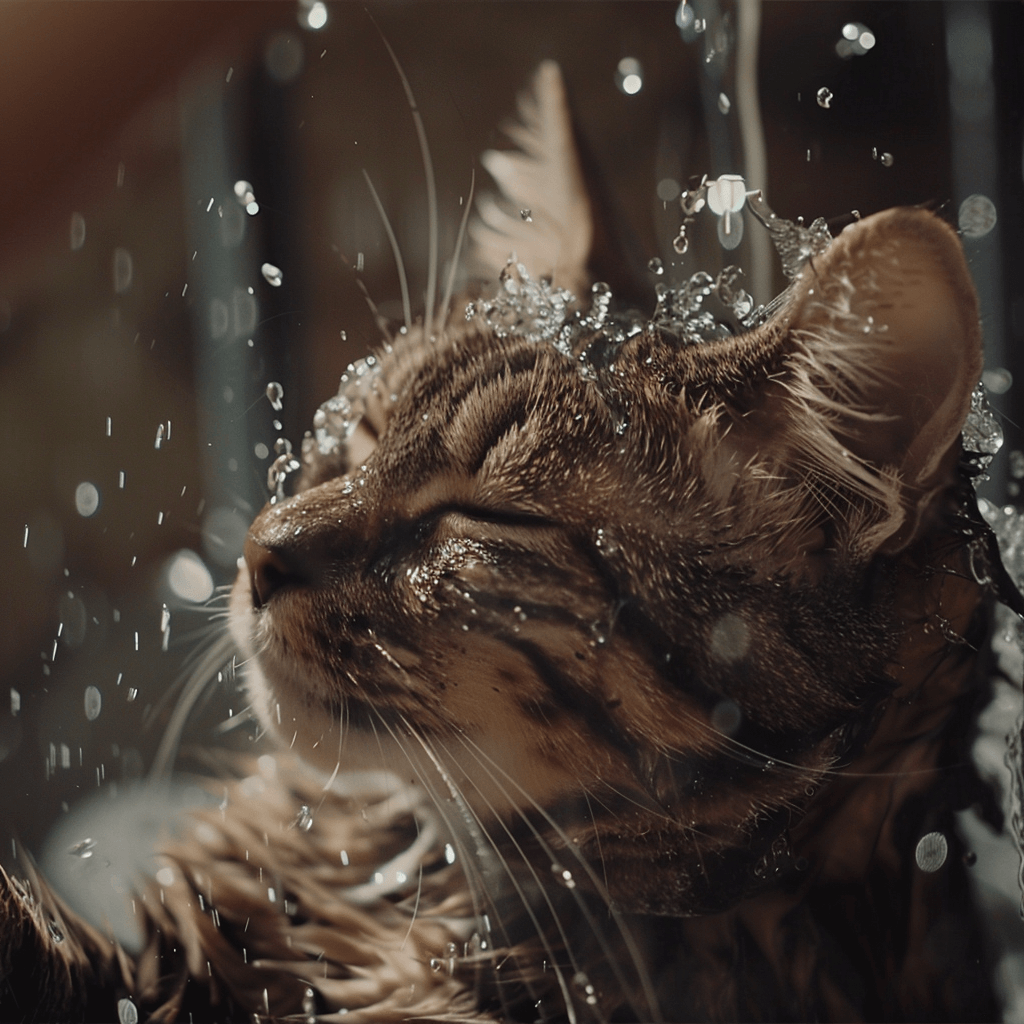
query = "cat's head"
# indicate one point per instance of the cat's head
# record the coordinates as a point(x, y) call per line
point(630, 596)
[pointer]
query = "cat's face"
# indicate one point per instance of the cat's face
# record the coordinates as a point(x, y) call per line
point(621, 591)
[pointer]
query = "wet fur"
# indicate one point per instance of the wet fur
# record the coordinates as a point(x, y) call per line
point(533, 592)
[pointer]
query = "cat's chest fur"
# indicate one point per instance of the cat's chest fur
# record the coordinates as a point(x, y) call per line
point(626, 607)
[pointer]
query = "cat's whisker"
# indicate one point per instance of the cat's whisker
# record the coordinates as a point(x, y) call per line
point(542, 889)
point(487, 764)
point(399, 262)
point(478, 892)
point(631, 945)
point(445, 305)
point(199, 679)
point(428, 170)
point(471, 821)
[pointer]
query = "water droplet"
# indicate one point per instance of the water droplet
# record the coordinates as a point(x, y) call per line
point(668, 189)
point(83, 849)
point(312, 14)
point(93, 703)
point(582, 982)
point(303, 820)
point(563, 876)
point(77, 231)
point(824, 97)
point(970, 858)
point(629, 76)
point(272, 274)
point(275, 395)
point(726, 193)
point(931, 852)
point(87, 499)
point(726, 717)
point(309, 1002)
point(449, 853)
point(681, 243)
point(122, 270)
point(188, 577)
point(55, 933)
point(655, 266)
point(127, 1012)
point(723, 103)
point(886, 159)
point(998, 380)
point(982, 434)
point(526, 215)
point(730, 230)
point(977, 216)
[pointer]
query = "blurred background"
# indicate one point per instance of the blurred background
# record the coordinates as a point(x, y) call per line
point(184, 219)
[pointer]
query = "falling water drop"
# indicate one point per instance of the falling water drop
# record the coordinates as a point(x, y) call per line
point(275, 395)
point(824, 97)
point(886, 159)
point(272, 274)
point(655, 266)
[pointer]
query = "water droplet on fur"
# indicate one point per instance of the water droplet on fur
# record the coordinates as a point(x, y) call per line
point(655, 266)
point(794, 243)
point(83, 849)
point(824, 97)
point(272, 275)
point(977, 216)
point(93, 703)
point(275, 394)
point(55, 933)
point(931, 852)
point(723, 103)
point(886, 159)
point(526, 215)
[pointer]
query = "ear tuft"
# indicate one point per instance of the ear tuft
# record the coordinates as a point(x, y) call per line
point(888, 348)
point(544, 178)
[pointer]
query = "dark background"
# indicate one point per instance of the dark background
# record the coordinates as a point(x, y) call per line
point(135, 116)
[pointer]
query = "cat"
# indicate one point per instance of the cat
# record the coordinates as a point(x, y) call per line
point(670, 633)
point(690, 628)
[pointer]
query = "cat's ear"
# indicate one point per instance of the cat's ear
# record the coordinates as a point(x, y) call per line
point(885, 350)
point(543, 213)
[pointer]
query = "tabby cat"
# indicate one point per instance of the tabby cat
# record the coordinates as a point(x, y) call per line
point(669, 633)
point(680, 635)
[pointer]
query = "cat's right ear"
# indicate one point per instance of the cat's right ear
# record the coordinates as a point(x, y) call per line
point(543, 214)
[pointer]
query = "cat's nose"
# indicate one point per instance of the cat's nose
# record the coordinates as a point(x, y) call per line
point(269, 571)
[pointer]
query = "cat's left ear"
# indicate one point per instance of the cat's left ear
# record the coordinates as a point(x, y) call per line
point(884, 351)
